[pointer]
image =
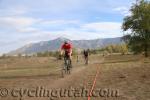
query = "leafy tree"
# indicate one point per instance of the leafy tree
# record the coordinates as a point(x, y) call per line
point(139, 25)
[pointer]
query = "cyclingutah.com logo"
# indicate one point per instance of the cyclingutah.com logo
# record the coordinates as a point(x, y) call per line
point(52, 94)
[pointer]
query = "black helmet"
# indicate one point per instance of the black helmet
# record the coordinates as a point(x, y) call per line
point(65, 42)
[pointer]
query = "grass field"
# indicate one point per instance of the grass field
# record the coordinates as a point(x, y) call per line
point(129, 74)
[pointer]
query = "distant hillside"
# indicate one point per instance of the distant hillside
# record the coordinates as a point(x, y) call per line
point(53, 45)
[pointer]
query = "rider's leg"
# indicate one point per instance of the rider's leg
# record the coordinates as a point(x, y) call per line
point(65, 62)
point(86, 59)
point(70, 57)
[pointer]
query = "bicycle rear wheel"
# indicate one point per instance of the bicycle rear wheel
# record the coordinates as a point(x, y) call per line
point(68, 66)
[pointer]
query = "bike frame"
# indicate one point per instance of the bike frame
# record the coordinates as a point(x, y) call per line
point(67, 62)
point(67, 66)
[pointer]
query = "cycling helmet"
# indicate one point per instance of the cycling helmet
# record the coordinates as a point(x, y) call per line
point(65, 42)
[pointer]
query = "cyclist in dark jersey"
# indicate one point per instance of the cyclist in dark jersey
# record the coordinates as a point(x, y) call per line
point(86, 55)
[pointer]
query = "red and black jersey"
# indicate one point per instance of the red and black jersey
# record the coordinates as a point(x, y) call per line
point(66, 47)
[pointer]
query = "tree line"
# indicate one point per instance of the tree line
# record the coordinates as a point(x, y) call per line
point(113, 48)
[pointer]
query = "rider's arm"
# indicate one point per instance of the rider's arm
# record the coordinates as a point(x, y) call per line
point(70, 51)
point(61, 50)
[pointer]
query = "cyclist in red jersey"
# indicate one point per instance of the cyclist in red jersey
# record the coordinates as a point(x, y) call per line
point(66, 48)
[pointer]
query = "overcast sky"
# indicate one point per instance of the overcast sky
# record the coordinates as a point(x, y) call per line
point(27, 21)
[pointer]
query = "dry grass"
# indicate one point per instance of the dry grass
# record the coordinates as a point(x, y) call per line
point(127, 73)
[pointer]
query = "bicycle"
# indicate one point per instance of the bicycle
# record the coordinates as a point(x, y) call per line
point(66, 68)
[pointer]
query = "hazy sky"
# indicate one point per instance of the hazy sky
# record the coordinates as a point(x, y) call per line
point(27, 21)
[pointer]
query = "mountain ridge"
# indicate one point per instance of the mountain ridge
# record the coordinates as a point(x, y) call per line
point(53, 45)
